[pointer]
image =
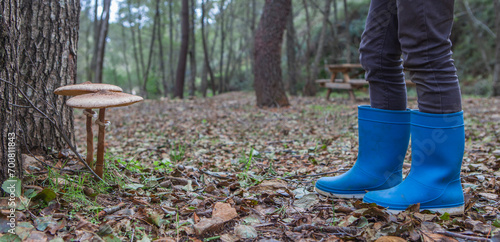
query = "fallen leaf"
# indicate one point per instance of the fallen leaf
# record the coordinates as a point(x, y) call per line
point(224, 211)
point(245, 232)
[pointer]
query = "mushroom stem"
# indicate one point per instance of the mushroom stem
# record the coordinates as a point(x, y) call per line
point(99, 166)
point(90, 138)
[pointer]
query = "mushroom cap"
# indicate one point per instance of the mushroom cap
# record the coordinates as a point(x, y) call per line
point(84, 88)
point(103, 99)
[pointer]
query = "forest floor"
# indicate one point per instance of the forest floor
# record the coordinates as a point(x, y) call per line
point(222, 169)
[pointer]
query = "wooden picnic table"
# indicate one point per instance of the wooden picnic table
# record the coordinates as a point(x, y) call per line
point(351, 74)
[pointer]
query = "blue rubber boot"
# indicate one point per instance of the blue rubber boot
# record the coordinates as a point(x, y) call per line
point(383, 140)
point(434, 181)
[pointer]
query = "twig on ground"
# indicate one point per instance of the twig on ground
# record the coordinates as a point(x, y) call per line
point(462, 236)
point(319, 174)
point(327, 229)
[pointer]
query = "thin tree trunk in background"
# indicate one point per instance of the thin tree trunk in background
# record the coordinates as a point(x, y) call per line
point(37, 55)
point(139, 41)
point(252, 35)
point(124, 51)
point(181, 66)
point(161, 56)
point(101, 43)
point(150, 56)
point(268, 39)
point(171, 44)
point(348, 32)
point(291, 54)
point(496, 73)
point(134, 46)
point(223, 37)
point(205, 50)
point(479, 40)
point(310, 87)
point(230, 55)
point(308, 42)
point(192, 51)
point(88, 47)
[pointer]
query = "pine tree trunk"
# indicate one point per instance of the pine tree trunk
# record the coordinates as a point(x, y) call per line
point(291, 55)
point(268, 39)
point(496, 72)
point(310, 87)
point(181, 65)
point(38, 44)
point(192, 51)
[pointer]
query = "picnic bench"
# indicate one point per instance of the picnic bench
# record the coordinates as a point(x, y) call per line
point(349, 81)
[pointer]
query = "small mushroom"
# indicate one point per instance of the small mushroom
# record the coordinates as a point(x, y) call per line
point(102, 100)
point(85, 88)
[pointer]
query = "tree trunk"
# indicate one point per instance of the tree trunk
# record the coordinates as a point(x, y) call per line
point(205, 49)
point(496, 72)
point(101, 42)
point(348, 32)
point(134, 46)
point(192, 51)
point(161, 56)
point(307, 55)
point(171, 44)
point(310, 87)
point(150, 56)
point(38, 44)
point(291, 54)
point(124, 52)
point(268, 38)
point(223, 37)
point(181, 65)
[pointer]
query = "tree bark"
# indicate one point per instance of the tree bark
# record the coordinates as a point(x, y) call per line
point(124, 52)
point(310, 87)
point(192, 51)
point(150, 56)
point(268, 38)
point(223, 37)
point(161, 56)
point(181, 65)
point(348, 32)
point(496, 72)
point(134, 46)
point(171, 44)
point(205, 49)
point(100, 45)
point(38, 44)
point(291, 54)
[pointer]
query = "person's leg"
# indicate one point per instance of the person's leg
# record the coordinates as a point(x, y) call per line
point(424, 31)
point(437, 129)
point(380, 56)
point(384, 128)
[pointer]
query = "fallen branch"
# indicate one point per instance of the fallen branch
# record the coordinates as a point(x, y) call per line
point(319, 174)
point(327, 229)
point(462, 236)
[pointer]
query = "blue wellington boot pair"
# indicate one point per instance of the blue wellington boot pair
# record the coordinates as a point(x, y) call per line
point(437, 151)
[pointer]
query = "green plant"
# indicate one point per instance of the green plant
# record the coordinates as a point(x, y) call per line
point(178, 155)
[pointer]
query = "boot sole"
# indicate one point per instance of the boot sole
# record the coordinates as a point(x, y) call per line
point(337, 195)
point(451, 211)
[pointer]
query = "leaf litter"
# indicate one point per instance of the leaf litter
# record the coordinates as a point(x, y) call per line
point(221, 169)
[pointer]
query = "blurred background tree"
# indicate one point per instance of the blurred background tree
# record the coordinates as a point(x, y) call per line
point(144, 39)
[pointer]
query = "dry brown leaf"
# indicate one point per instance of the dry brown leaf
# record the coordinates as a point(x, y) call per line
point(224, 211)
point(207, 225)
point(430, 237)
point(390, 239)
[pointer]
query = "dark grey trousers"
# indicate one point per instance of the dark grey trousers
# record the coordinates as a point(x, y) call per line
point(418, 31)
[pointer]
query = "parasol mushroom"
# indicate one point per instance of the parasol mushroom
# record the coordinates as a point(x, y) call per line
point(102, 100)
point(85, 88)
